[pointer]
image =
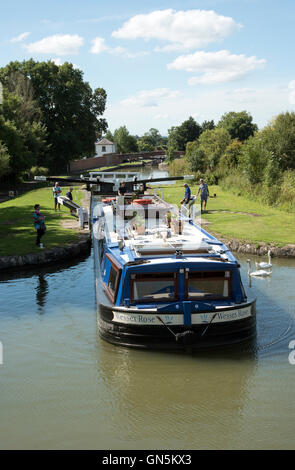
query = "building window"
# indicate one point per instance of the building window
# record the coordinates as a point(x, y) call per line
point(103, 148)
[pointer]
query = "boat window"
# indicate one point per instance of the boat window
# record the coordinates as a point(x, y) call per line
point(153, 286)
point(112, 284)
point(213, 285)
point(113, 279)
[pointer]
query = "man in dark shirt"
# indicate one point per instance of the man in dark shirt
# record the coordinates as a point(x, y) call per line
point(39, 224)
point(70, 197)
point(187, 195)
point(122, 189)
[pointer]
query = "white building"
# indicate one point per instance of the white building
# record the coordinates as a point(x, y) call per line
point(104, 146)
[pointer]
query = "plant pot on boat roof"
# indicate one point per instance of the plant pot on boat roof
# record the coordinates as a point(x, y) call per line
point(168, 219)
point(139, 225)
point(176, 224)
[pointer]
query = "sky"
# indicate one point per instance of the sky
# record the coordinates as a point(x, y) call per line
point(163, 61)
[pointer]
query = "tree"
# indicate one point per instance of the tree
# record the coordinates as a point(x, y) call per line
point(279, 138)
point(207, 126)
point(21, 128)
point(213, 143)
point(231, 156)
point(254, 158)
point(14, 142)
point(125, 143)
point(179, 136)
point(151, 140)
point(70, 109)
point(239, 125)
point(109, 136)
point(196, 157)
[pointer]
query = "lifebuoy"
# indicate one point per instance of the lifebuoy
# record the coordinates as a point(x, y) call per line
point(108, 199)
point(143, 202)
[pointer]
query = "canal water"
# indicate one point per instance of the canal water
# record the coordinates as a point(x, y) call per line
point(62, 387)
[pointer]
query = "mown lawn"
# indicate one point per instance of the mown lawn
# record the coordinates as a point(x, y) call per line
point(17, 232)
point(266, 224)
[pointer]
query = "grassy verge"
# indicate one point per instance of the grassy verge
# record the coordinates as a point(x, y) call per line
point(236, 217)
point(17, 233)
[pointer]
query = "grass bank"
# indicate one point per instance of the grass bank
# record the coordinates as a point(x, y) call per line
point(17, 233)
point(236, 217)
point(122, 165)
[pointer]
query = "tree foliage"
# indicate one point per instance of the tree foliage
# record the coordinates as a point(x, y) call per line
point(59, 99)
point(254, 158)
point(151, 140)
point(231, 156)
point(125, 143)
point(179, 136)
point(4, 160)
point(239, 125)
point(279, 138)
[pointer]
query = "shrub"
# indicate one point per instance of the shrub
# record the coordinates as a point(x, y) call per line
point(287, 190)
point(179, 167)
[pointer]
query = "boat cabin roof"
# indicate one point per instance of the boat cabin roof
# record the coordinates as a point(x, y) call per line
point(158, 244)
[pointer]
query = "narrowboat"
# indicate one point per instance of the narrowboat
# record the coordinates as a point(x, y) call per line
point(162, 281)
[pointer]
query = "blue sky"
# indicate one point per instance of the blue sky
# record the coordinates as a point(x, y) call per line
point(163, 61)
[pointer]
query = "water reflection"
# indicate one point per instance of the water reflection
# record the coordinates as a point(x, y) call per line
point(41, 292)
point(26, 291)
point(177, 397)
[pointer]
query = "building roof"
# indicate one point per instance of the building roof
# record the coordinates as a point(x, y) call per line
point(104, 141)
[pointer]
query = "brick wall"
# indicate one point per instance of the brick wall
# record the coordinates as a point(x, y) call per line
point(112, 159)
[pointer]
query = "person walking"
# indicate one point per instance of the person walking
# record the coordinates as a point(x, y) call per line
point(203, 190)
point(56, 192)
point(70, 197)
point(39, 225)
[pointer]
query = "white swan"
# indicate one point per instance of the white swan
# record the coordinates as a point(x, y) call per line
point(264, 265)
point(258, 273)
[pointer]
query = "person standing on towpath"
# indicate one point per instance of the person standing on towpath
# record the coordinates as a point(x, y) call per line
point(56, 192)
point(69, 195)
point(204, 190)
point(39, 224)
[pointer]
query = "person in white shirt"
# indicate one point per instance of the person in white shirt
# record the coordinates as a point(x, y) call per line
point(56, 192)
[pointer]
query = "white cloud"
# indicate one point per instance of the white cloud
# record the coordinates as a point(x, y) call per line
point(99, 46)
point(242, 95)
point(215, 67)
point(149, 98)
point(291, 87)
point(20, 38)
point(183, 30)
point(59, 44)
point(59, 62)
